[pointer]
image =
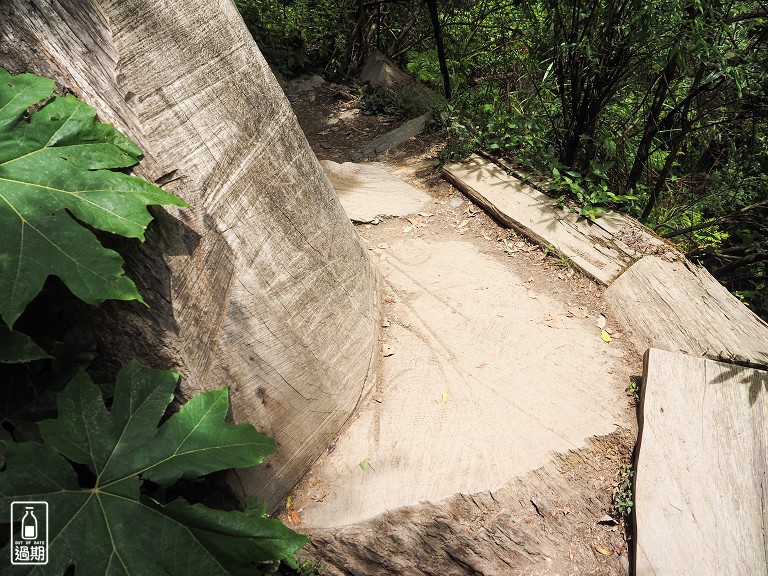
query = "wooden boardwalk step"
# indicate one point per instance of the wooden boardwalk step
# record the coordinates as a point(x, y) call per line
point(602, 249)
point(701, 474)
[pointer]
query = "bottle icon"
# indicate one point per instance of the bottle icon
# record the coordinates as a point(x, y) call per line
point(29, 524)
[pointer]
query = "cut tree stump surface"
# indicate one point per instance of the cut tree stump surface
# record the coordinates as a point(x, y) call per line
point(701, 470)
point(680, 307)
point(477, 391)
point(380, 72)
point(602, 250)
point(368, 191)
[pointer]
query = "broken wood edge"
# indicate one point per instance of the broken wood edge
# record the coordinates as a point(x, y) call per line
point(630, 255)
point(708, 353)
point(420, 521)
point(509, 222)
point(381, 144)
point(640, 415)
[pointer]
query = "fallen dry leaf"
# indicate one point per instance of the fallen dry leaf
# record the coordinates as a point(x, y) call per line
point(364, 464)
point(603, 551)
point(295, 518)
point(605, 336)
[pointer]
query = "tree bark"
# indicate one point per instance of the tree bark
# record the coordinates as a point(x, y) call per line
point(651, 127)
point(435, 17)
point(740, 263)
point(262, 284)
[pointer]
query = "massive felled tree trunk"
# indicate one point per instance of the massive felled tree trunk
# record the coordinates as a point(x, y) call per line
point(261, 285)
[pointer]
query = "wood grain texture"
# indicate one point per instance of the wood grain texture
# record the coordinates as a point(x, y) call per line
point(368, 191)
point(531, 526)
point(602, 250)
point(701, 486)
point(680, 307)
point(262, 284)
point(473, 360)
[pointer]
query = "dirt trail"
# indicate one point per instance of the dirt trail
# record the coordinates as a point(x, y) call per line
point(492, 363)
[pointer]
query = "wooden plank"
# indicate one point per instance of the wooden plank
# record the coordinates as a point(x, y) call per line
point(601, 251)
point(368, 191)
point(393, 138)
point(680, 307)
point(701, 488)
point(624, 232)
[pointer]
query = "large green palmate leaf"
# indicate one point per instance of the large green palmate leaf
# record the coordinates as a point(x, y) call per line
point(57, 166)
point(110, 528)
point(16, 347)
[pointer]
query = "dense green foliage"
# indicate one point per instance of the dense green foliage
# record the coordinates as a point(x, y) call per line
point(56, 163)
point(114, 518)
point(300, 36)
point(111, 460)
point(659, 107)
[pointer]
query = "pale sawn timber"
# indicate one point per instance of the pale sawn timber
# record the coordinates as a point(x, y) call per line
point(701, 468)
point(369, 191)
point(680, 307)
point(602, 250)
